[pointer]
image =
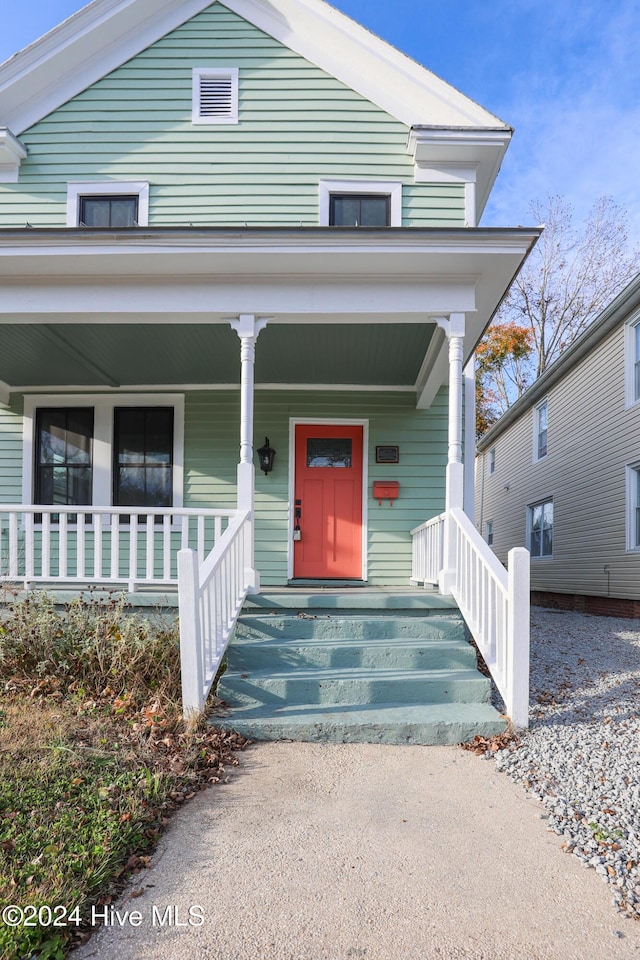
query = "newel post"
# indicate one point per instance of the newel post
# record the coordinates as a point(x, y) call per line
point(248, 327)
point(518, 629)
point(454, 328)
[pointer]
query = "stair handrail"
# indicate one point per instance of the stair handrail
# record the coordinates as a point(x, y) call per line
point(210, 598)
point(496, 606)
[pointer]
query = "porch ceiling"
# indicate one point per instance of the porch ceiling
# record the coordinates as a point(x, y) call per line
point(114, 355)
point(88, 295)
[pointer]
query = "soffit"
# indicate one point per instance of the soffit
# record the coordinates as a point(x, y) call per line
point(114, 355)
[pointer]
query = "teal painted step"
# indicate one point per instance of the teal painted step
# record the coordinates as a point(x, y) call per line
point(429, 724)
point(338, 686)
point(356, 627)
point(404, 654)
point(355, 667)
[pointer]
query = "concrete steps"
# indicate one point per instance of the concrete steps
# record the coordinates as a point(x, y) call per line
point(355, 666)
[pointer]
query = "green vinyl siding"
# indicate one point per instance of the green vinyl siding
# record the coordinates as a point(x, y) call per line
point(297, 125)
point(212, 428)
point(11, 451)
point(211, 453)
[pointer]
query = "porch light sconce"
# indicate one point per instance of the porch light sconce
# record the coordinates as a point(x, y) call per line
point(266, 455)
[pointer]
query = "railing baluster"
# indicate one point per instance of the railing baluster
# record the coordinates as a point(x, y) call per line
point(115, 547)
point(133, 551)
point(166, 547)
point(80, 546)
point(63, 546)
point(97, 546)
point(13, 546)
point(151, 535)
point(200, 549)
point(45, 565)
point(29, 546)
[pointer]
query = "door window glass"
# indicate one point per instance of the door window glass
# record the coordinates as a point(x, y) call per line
point(329, 452)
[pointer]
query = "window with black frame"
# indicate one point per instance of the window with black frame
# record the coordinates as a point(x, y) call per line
point(108, 211)
point(143, 456)
point(359, 210)
point(64, 456)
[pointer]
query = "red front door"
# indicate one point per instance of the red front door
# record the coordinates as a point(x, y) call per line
point(328, 501)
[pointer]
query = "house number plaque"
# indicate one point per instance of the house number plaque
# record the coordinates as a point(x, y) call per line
point(387, 454)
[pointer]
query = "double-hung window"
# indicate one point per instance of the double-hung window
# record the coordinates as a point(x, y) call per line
point(541, 430)
point(540, 529)
point(142, 456)
point(104, 451)
point(108, 211)
point(114, 204)
point(359, 210)
point(360, 203)
point(63, 456)
point(633, 507)
point(488, 532)
point(632, 360)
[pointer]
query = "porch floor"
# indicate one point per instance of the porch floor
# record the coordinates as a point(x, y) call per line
point(363, 665)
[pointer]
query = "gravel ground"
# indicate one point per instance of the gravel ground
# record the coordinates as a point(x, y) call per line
point(581, 755)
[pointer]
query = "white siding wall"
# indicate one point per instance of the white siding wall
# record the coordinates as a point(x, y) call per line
point(592, 437)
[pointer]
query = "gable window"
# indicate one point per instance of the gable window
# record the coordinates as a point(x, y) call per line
point(215, 95)
point(142, 456)
point(359, 203)
point(541, 420)
point(110, 203)
point(63, 456)
point(540, 529)
point(108, 211)
point(104, 450)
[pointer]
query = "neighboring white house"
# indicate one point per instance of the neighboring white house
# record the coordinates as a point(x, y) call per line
point(559, 473)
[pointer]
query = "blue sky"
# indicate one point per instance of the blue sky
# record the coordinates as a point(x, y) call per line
point(565, 75)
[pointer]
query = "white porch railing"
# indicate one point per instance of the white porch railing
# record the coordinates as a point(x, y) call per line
point(103, 545)
point(427, 547)
point(493, 601)
point(211, 595)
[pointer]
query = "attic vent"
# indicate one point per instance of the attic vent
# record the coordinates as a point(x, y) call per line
point(215, 95)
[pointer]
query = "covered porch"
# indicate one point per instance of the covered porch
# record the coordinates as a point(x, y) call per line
point(323, 325)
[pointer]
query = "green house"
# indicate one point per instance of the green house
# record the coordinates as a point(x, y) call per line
point(231, 229)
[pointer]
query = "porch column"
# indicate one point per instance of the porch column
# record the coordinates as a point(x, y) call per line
point(454, 328)
point(248, 327)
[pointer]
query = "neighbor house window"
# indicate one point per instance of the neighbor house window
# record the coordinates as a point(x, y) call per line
point(488, 532)
point(541, 419)
point(362, 203)
point(633, 507)
point(106, 450)
point(64, 456)
point(540, 529)
point(115, 204)
point(491, 460)
point(632, 351)
point(215, 95)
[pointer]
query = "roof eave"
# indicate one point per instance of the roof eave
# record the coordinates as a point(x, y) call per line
point(617, 312)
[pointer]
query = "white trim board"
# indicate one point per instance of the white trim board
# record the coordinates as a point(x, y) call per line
point(329, 421)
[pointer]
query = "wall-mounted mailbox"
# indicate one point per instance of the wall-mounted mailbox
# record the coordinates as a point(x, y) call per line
point(386, 490)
